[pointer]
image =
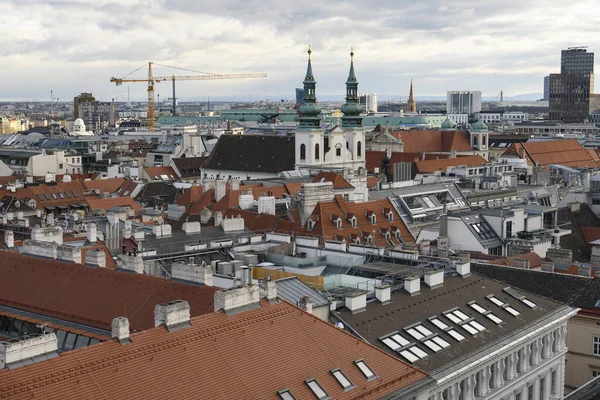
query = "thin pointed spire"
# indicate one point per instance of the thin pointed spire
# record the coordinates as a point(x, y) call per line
point(309, 110)
point(351, 74)
point(351, 108)
point(411, 104)
point(309, 72)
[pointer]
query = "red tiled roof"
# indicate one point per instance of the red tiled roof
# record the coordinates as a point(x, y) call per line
point(62, 190)
point(339, 182)
point(110, 202)
point(430, 166)
point(105, 185)
point(372, 182)
point(373, 158)
point(567, 152)
point(433, 141)
point(535, 261)
point(217, 357)
point(91, 296)
point(154, 173)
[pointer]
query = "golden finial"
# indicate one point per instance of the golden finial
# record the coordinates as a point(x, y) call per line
point(309, 51)
point(352, 53)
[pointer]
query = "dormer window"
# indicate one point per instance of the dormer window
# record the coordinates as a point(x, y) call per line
point(352, 219)
point(338, 223)
point(311, 224)
point(372, 217)
point(389, 214)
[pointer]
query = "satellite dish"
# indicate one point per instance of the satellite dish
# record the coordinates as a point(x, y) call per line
point(340, 325)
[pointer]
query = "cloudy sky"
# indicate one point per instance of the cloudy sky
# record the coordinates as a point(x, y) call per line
point(71, 46)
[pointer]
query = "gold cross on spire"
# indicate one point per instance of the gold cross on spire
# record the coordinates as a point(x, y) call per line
point(309, 51)
point(352, 53)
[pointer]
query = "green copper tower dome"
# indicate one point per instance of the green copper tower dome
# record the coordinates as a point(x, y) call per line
point(309, 110)
point(351, 108)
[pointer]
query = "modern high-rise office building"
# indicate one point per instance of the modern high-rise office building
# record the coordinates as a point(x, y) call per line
point(299, 97)
point(369, 101)
point(572, 89)
point(459, 102)
point(547, 88)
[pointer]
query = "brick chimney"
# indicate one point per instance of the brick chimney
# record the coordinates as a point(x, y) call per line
point(174, 315)
point(120, 329)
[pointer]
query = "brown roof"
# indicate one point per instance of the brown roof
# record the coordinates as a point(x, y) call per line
point(104, 185)
point(535, 261)
point(127, 188)
point(430, 166)
point(339, 182)
point(434, 141)
point(218, 357)
point(567, 152)
point(91, 296)
point(266, 222)
point(110, 202)
point(189, 167)
point(44, 194)
point(373, 158)
point(154, 173)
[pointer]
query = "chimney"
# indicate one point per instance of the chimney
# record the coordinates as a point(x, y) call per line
point(522, 263)
point(560, 257)
point(96, 258)
point(191, 228)
point(356, 302)
point(383, 294)
point(132, 263)
point(269, 291)
point(463, 268)
point(208, 184)
point(584, 270)
point(38, 248)
point(191, 272)
point(306, 304)
point(234, 184)
point(412, 284)
point(547, 266)
point(15, 350)
point(69, 254)
point(246, 275)
point(236, 298)
point(266, 205)
point(174, 315)
point(218, 218)
point(120, 329)
point(50, 219)
point(220, 189)
point(434, 278)
point(233, 224)
point(9, 239)
point(92, 232)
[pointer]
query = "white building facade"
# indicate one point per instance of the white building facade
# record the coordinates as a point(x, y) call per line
point(460, 102)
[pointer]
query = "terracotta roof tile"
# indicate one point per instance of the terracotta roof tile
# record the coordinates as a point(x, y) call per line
point(218, 357)
point(433, 141)
point(105, 185)
point(91, 296)
point(373, 158)
point(154, 173)
point(535, 261)
point(110, 202)
point(567, 152)
point(339, 182)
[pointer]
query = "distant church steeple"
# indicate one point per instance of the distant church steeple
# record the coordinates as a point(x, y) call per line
point(351, 108)
point(411, 104)
point(309, 110)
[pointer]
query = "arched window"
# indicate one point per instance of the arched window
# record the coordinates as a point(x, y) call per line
point(359, 148)
point(303, 152)
point(317, 151)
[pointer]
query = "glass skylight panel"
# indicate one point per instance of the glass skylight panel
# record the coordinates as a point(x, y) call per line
point(461, 315)
point(409, 356)
point(478, 308)
point(470, 329)
point(528, 302)
point(453, 318)
point(512, 311)
point(455, 335)
point(494, 318)
point(439, 323)
point(414, 333)
point(496, 301)
point(400, 339)
point(286, 395)
point(423, 330)
point(477, 326)
point(316, 389)
point(364, 369)
point(432, 345)
point(441, 342)
point(418, 352)
point(391, 343)
point(341, 378)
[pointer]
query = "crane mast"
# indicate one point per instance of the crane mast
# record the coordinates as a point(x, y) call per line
point(151, 80)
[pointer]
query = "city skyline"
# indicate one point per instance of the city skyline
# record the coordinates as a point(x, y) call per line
point(488, 47)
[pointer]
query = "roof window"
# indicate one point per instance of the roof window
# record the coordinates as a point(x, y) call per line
point(419, 332)
point(364, 368)
point(341, 378)
point(520, 297)
point(413, 354)
point(285, 394)
point(316, 389)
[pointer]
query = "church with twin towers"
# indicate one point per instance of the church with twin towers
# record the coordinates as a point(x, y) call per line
point(341, 147)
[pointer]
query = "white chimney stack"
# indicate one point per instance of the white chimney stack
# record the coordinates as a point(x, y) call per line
point(383, 294)
point(9, 239)
point(92, 233)
point(356, 302)
point(120, 329)
point(463, 268)
point(434, 279)
point(412, 284)
point(173, 315)
point(15, 350)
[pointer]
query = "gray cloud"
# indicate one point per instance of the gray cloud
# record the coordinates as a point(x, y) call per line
point(77, 45)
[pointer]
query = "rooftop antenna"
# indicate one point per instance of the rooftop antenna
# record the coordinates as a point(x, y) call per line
point(501, 96)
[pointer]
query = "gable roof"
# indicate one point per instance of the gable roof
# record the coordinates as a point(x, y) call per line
point(293, 290)
point(434, 141)
point(54, 194)
point(567, 152)
point(373, 158)
point(535, 261)
point(91, 296)
point(188, 167)
point(217, 357)
point(339, 182)
point(109, 202)
point(430, 166)
point(253, 153)
point(109, 185)
point(154, 173)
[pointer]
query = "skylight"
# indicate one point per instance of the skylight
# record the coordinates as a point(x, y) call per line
point(364, 369)
point(520, 297)
point(528, 302)
point(455, 335)
point(439, 323)
point(285, 394)
point(503, 305)
point(494, 318)
point(456, 316)
point(395, 341)
point(419, 332)
point(316, 389)
point(341, 378)
point(436, 344)
point(480, 309)
point(512, 311)
point(413, 354)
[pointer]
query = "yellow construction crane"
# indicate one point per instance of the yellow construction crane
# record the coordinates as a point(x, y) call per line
point(152, 79)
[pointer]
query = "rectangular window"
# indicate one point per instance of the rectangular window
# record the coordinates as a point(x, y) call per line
point(364, 368)
point(553, 382)
point(338, 152)
point(285, 394)
point(61, 195)
point(496, 301)
point(528, 302)
point(439, 323)
point(455, 335)
point(341, 378)
point(494, 318)
point(316, 389)
point(595, 374)
point(597, 345)
point(512, 311)
point(60, 166)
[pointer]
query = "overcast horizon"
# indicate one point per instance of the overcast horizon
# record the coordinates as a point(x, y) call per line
point(77, 46)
